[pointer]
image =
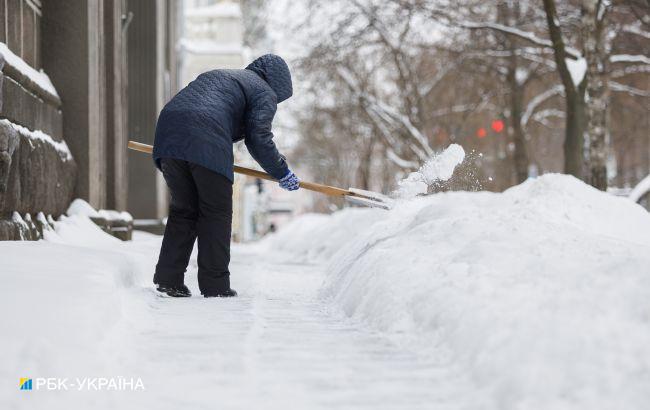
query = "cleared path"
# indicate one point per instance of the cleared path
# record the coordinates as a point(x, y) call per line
point(88, 311)
point(279, 346)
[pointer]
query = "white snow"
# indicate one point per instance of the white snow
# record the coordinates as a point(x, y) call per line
point(537, 297)
point(60, 146)
point(80, 305)
point(528, 35)
point(577, 69)
point(541, 294)
point(440, 167)
point(630, 58)
point(38, 77)
point(82, 208)
point(111, 215)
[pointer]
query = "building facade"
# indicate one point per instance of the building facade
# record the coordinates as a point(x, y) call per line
point(79, 78)
point(153, 78)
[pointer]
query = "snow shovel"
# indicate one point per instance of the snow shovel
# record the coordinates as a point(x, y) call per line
point(358, 196)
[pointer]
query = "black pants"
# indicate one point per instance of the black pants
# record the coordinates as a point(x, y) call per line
point(201, 206)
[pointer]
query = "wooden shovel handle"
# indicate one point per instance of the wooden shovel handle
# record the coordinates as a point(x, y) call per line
point(311, 186)
point(138, 146)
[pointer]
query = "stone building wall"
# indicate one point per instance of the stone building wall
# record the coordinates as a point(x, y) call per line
point(67, 107)
point(37, 171)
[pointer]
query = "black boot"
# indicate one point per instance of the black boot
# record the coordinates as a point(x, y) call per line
point(225, 294)
point(174, 291)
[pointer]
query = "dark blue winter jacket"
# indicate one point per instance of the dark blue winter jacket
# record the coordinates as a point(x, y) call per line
point(201, 123)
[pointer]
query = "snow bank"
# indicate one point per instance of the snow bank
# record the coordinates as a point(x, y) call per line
point(68, 308)
point(316, 237)
point(81, 208)
point(541, 293)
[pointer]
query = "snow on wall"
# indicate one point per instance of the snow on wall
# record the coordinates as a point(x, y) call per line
point(38, 77)
point(541, 293)
point(60, 146)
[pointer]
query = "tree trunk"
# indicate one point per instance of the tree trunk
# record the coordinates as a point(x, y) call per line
point(510, 14)
point(365, 164)
point(574, 98)
point(518, 136)
point(574, 136)
point(595, 51)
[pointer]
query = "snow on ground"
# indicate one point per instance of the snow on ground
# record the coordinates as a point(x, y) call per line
point(80, 305)
point(535, 298)
point(541, 294)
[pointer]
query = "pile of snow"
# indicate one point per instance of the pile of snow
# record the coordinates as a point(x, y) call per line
point(81, 208)
point(439, 168)
point(540, 293)
point(317, 237)
point(68, 311)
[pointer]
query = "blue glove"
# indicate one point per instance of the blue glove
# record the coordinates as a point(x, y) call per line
point(290, 182)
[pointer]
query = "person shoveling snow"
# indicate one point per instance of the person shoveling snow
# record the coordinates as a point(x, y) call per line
point(193, 149)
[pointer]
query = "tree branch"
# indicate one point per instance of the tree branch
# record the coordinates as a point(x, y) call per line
point(525, 35)
point(628, 58)
point(614, 86)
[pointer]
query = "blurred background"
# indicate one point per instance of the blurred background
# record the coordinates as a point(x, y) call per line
point(526, 87)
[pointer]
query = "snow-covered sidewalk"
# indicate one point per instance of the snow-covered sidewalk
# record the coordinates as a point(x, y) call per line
point(86, 309)
point(536, 298)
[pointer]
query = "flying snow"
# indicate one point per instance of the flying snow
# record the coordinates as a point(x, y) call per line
point(439, 168)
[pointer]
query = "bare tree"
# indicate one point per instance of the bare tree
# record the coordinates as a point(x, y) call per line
point(584, 77)
point(396, 80)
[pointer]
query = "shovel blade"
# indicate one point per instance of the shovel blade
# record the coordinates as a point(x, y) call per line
point(369, 199)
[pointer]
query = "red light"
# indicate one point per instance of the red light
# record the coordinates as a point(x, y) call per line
point(497, 125)
point(481, 133)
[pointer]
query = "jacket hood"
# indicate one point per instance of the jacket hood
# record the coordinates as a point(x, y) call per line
point(274, 70)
